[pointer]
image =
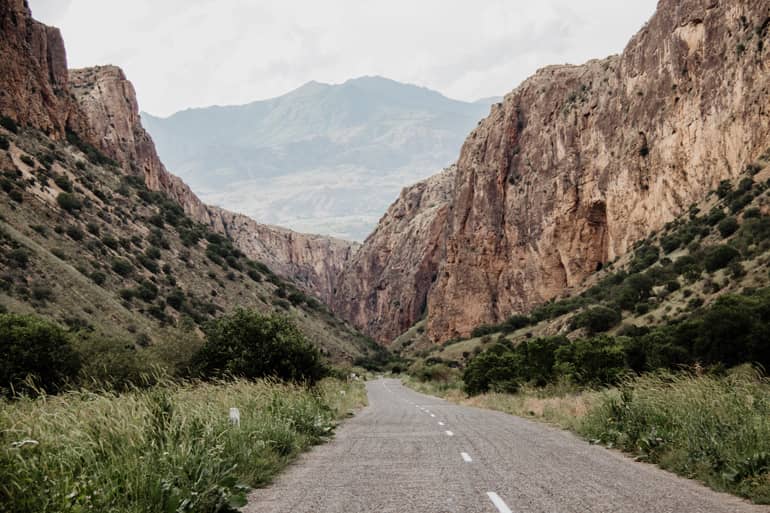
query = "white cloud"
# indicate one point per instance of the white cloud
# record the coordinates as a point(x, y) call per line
point(183, 53)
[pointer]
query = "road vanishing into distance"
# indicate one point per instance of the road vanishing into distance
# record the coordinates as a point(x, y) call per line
point(411, 453)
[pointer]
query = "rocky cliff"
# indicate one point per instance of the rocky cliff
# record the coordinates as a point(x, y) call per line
point(383, 289)
point(33, 71)
point(98, 106)
point(312, 261)
point(579, 162)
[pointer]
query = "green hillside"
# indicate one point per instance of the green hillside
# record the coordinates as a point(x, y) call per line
point(122, 266)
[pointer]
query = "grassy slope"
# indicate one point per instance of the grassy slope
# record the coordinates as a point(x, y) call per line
point(170, 448)
point(73, 282)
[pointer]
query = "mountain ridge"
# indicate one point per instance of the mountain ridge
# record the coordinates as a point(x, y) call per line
point(324, 158)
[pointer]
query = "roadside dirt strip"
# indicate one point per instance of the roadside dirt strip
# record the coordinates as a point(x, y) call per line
point(407, 452)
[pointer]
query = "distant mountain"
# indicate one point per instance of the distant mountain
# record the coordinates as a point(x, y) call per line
point(323, 158)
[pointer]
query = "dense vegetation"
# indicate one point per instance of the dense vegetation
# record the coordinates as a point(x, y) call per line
point(41, 357)
point(252, 345)
point(169, 448)
point(735, 329)
point(36, 355)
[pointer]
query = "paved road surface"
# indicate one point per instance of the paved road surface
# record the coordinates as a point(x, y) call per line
point(407, 452)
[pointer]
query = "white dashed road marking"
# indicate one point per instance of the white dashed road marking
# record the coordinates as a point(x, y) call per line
point(449, 433)
point(466, 457)
point(498, 502)
point(440, 423)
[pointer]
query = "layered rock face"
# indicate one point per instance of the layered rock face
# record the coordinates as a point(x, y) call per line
point(384, 288)
point(581, 161)
point(33, 72)
point(99, 105)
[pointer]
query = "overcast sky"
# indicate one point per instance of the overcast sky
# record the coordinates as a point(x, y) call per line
point(189, 53)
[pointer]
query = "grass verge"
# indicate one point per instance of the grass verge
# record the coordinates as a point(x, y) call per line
point(712, 428)
point(166, 449)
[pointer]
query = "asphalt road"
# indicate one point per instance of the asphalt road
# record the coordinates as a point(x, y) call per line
point(407, 452)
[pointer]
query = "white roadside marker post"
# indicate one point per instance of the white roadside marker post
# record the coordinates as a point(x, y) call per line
point(235, 417)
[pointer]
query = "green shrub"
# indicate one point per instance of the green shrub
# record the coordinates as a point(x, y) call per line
point(4, 144)
point(19, 257)
point(597, 319)
point(98, 277)
point(716, 215)
point(148, 263)
point(63, 182)
point(596, 361)
point(75, 233)
point(152, 252)
point(176, 299)
point(251, 345)
point(644, 257)
point(16, 195)
point(122, 267)
point(34, 352)
point(492, 370)
point(69, 202)
point(724, 188)
point(146, 291)
point(27, 160)
point(688, 266)
point(718, 257)
point(728, 226)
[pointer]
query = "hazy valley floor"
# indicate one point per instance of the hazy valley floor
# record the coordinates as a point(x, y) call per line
point(407, 452)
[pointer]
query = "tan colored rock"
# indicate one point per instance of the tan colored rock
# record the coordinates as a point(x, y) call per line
point(384, 288)
point(575, 165)
point(312, 261)
point(33, 72)
point(581, 161)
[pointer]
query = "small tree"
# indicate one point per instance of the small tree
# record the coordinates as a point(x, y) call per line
point(34, 349)
point(252, 345)
point(597, 319)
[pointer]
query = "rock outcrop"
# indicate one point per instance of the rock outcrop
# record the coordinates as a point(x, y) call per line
point(98, 106)
point(312, 261)
point(384, 288)
point(581, 161)
point(33, 72)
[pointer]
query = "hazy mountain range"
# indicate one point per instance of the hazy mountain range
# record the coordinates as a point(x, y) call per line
point(323, 158)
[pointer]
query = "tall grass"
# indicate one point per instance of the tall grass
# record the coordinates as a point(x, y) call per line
point(712, 428)
point(167, 449)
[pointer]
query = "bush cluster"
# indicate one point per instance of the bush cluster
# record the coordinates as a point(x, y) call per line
point(734, 330)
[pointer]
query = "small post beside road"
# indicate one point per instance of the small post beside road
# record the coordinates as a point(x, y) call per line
point(235, 417)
